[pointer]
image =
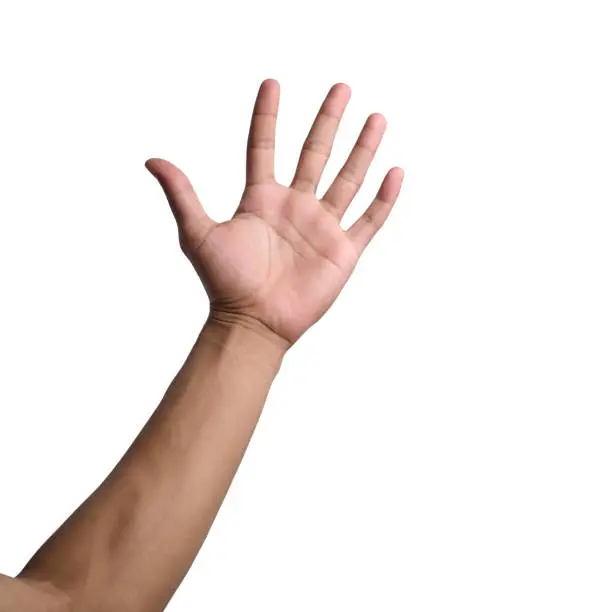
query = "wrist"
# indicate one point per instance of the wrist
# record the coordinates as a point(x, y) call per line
point(245, 335)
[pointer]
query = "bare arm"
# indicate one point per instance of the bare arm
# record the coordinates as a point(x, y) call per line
point(31, 596)
point(270, 272)
point(130, 544)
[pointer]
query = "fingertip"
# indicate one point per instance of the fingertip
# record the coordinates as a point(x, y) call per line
point(271, 83)
point(342, 88)
point(162, 168)
point(395, 176)
point(398, 171)
point(152, 164)
point(378, 119)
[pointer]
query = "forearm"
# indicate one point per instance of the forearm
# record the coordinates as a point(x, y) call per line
point(130, 544)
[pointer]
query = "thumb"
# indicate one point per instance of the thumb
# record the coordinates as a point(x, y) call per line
point(181, 196)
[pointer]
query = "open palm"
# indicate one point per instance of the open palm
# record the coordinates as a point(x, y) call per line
point(283, 258)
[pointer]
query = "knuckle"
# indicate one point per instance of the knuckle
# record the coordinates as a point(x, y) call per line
point(351, 174)
point(372, 219)
point(188, 236)
point(366, 150)
point(261, 143)
point(317, 146)
point(183, 242)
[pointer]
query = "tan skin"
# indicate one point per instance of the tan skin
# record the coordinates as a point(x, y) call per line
point(283, 258)
point(270, 272)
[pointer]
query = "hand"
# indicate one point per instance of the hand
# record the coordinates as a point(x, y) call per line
point(283, 258)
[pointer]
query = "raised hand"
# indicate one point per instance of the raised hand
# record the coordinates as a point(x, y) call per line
point(282, 259)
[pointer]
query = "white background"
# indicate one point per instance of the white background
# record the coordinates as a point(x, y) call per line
point(441, 439)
